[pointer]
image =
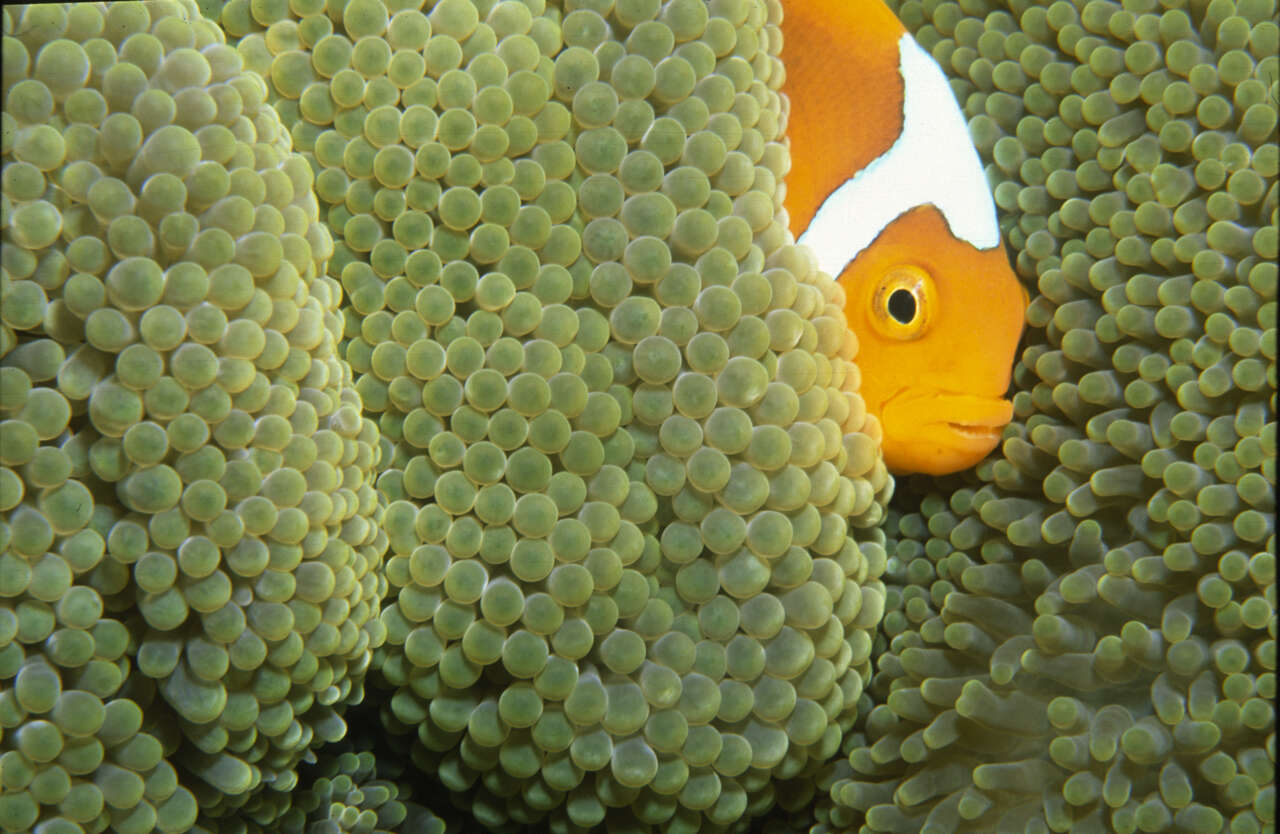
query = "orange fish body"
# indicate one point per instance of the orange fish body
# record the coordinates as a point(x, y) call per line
point(886, 188)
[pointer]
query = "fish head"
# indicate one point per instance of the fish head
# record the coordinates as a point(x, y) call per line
point(938, 323)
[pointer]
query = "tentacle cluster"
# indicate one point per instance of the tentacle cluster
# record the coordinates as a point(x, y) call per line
point(1082, 637)
point(190, 544)
point(525, 267)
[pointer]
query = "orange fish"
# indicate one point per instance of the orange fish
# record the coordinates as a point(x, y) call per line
point(888, 191)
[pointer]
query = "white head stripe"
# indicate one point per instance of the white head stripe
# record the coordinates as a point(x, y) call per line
point(933, 162)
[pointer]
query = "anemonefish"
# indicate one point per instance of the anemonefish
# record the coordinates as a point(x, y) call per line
point(888, 191)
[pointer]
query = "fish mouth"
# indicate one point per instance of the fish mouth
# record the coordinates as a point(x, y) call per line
point(940, 432)
point(974, 431)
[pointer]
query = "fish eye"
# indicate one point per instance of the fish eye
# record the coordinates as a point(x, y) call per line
point(902, 306)
point(903, 302)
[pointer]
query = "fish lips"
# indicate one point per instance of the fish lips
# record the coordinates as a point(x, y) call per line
point(940, 432)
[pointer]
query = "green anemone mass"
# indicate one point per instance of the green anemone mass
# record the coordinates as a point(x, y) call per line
point(348, 791)
point(1080, 636)
point(190, 553)
point(462, 342)
point(626, 461)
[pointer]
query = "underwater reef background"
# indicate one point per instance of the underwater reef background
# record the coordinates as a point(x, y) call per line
point(416, 417)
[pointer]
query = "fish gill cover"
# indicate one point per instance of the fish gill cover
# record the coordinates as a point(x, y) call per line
point(1082, 637)
point(525, 266)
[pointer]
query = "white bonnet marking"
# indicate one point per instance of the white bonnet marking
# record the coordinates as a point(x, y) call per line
point(933, 162)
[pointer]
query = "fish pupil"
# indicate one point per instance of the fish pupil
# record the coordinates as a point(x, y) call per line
point(902, 306)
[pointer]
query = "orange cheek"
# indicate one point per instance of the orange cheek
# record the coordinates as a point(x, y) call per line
point(881, 377)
